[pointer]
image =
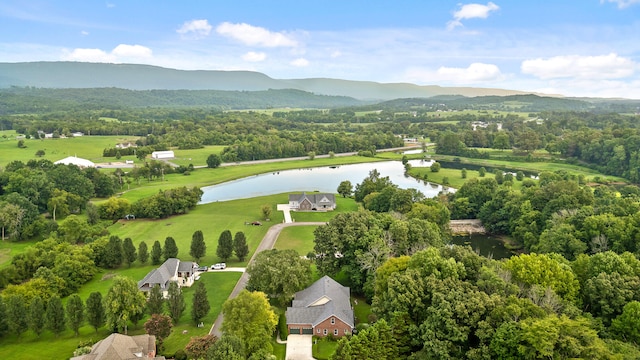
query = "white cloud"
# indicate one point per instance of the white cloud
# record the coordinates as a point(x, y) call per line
point(609, 66)
point(622, 3)
point(84, 33)
point(471, 11)
point(121, 53)
point(195, 28)
point(300, 62)
point(255, 35)
point(111, 5)
point(252, 56)
point(474, 73)
point(136, 51)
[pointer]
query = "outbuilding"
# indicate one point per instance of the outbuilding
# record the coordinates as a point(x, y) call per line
point(79, 162)
point(163, 154)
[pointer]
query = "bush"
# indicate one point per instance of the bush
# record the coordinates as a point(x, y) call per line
point(180, 355)
point(482, 171)
point(282, 327)
point(435, 167)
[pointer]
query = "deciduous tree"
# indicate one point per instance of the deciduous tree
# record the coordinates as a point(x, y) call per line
point(345, 188)
point(16, 314)
point(170, 249)
point(266, 274)
point(213, 161)
point(36, 314)
point(198, 346)
point(95, 310)
point(75, 312)
point(198, 246)
point(175, 302)
point(160, 326)
point(240, 247)
point(225, 245)
point(123, 302)
point(200, 307)
point(249, 317)
point(55, 319)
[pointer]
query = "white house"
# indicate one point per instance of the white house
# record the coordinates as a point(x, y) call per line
point(172, 270)
point(79, 162)
point(163, 154)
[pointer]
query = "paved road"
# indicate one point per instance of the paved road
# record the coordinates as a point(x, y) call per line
point(267, 243)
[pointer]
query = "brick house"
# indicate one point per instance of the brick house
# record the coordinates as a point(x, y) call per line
point(322, 309)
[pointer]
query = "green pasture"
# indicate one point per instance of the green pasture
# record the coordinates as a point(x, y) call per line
point(87, 147)
point(9, 248)
point(196, 157)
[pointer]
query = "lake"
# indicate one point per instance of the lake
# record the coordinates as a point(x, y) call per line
point(487, 246)
point(321, 179)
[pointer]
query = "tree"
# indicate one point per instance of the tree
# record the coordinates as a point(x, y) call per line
point(123, 302)
point(95, 310)
point(143, 253)
point(175, 301)
point(160, 326)
point(200, 307)
point(265, 274)
point(482, 172)
point(213, 161)
point(345, 188)
point(375, 342)
point(228, 347)
point(3, 317)
point(155, 302)
point(501, 141)
point(57, 203)
point(198, 246)
point(55, 315)
point(75, 312)
point(266, 211)
point(93, 216)
point(240, 247)
point(11, 216)
point(16, 314)
point(21, 144)
point(198, 346)
point(528, 141)
point(249, 317)
point(113, 252)
point(129, 251)
point(311, 155)
point(225, 245)
point(627, 325)
point(156, 253)
point(463, 173)
point(40, 153)
point(170, 249)
point(35, 318)
point(435, 167)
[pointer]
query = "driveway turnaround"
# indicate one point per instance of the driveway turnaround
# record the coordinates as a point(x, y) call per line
point(299, 347)
point(287, 212)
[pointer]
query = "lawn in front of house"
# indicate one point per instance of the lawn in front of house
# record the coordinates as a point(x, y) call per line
point(298, 238)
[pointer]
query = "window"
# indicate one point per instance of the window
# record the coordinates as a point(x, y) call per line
point(333, 321)
point(324, 332)
point(335, 331)
point(318, 331)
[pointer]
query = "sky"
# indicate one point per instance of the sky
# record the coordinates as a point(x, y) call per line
point(567, 47)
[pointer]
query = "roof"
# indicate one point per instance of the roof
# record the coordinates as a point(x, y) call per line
point(122, 347)
point(315, 198)
point(72, 160)
point(323, 299)
point(164, 273)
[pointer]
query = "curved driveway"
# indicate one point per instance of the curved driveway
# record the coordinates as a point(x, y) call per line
point(267, 243)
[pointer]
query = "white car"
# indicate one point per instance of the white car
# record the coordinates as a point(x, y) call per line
point(218, 266)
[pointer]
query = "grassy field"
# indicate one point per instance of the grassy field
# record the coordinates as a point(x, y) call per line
point(298, 238)
point(196, 156)
point(9, 248)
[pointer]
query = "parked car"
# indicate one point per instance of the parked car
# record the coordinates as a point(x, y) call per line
point(218, 266)
point(256, 223)
point(203, 268)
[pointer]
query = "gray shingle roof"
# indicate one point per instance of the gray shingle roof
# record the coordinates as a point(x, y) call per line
point(317, 199)
point(161, 275)
point(334, 301)
point(121, 347)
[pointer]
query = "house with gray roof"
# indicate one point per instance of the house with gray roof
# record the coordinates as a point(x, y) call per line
point(181, 272)
point(321, 309)
point(315, 201)
point(122, 347)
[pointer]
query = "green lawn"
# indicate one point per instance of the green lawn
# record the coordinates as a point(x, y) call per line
point(298, 238)
point(323, 347)
point(9, 248)
point(196, 156)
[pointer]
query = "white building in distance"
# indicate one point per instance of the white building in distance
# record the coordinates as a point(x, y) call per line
point(79, 162)
point(163, 154)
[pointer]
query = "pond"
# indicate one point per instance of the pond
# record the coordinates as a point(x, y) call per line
point(321, 179)
point(488, 246)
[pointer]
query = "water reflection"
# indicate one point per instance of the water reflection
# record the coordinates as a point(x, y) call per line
point(321, 179)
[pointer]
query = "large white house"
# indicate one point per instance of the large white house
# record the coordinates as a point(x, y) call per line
point(79, 162)
point(181, 272)
point(163, 154)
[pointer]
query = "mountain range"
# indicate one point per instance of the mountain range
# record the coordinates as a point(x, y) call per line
point(147, 77)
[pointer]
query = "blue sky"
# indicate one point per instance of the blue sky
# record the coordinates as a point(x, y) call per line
point(569, 47)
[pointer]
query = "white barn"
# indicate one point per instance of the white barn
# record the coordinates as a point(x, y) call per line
point(163, 154)
point(79, 162)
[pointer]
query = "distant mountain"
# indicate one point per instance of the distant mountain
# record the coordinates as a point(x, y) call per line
point(147, 77)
